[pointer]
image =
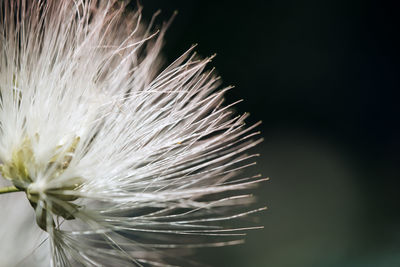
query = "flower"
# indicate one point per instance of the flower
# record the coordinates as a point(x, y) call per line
point(122, 161)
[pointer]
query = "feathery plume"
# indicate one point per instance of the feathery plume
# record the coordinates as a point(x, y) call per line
point(114, 159)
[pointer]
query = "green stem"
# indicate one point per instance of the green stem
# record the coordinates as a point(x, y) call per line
point(8, 189)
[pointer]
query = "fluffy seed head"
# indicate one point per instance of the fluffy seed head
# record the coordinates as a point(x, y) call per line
point(122, 161)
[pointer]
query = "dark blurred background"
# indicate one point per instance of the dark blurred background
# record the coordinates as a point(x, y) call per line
point(323, 76)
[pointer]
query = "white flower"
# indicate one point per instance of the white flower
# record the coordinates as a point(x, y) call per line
point(122, 162)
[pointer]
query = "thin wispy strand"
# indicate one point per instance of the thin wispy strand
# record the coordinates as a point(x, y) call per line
point(119, 161)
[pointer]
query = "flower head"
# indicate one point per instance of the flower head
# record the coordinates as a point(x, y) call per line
point(119, 158)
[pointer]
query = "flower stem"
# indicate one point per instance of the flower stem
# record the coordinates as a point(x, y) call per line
point(8, 189)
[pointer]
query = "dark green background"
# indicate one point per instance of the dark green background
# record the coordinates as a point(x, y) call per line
point(323, 78)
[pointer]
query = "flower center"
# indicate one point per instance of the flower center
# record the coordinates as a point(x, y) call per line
point(50, 196)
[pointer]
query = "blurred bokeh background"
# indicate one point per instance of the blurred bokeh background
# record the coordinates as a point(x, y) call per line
point(323, 76)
